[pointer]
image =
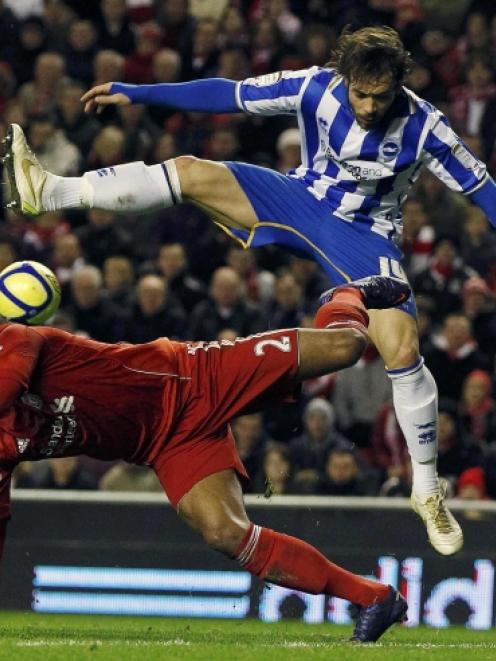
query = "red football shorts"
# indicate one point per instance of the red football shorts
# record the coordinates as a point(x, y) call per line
point(227, 380)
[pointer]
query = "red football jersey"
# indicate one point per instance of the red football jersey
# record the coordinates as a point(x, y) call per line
point(61, 395)
point(167, 404)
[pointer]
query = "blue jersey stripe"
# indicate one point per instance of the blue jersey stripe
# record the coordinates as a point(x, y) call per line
point(442, 152)
point(340, 128)
point(309, 103)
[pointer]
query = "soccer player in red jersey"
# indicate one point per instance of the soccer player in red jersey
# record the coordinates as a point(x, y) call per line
point(168, 405)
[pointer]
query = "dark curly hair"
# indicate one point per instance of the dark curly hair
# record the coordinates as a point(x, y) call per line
point(371, 53)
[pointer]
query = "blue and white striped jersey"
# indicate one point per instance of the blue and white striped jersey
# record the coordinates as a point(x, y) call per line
point(364, 175)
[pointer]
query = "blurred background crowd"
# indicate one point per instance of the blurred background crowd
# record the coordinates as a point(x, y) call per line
point(174, 273)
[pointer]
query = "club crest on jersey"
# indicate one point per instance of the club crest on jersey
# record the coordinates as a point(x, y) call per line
point(389, 150)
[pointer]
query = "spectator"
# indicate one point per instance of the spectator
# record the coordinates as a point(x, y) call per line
point(65, 260)
point(63, 473)
point(310, 278)
point(154, 314)
point(128, 477)
point(446, 209)
point(223, 144)
point(441, 282)
point(478, 304)
point(453, 355)
point(141, 133)
point(115, 31)
point(479, 243)
point(251, 441)
point(320, 436)
point(39, 237)
point(288, 150)
point(205, 56)
point(455, 452)
point(108, 148)
point(108, 65)
point(287, 309)
point(53, 149)
point(388, 451)
point(358, 394)
point(79, 128)
point(32, 42)
point(166, 68)
point(91, 311)
point(80, 51)
point(39, 95)
point(418, 236)
point(478, 409)
point(233, 64)
point(277, 471)
point(345, 476)
point(224, 308)
point(468, 101)
point(103, 237)
point(139, 65)
point(173, 265)
point(472, 484)
point(234, 31)
point(118, 277)
point(178, 25)
point(398, 484)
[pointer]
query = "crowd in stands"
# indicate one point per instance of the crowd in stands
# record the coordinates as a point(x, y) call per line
point(173, 273)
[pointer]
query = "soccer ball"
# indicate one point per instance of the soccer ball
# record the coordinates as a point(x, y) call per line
point(29, 293)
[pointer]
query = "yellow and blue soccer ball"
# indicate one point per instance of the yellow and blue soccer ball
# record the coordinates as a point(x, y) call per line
point(29, 293)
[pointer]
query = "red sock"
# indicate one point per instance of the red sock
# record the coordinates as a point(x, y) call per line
point(293, 563)
point(345, 309)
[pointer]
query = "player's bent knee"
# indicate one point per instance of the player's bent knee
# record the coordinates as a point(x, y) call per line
point(405, 355)
point(196, 175)
point(225, 538)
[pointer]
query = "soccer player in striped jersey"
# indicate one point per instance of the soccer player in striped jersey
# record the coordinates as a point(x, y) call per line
point(365, 138)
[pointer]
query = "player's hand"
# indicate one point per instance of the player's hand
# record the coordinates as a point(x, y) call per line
point(99, 96)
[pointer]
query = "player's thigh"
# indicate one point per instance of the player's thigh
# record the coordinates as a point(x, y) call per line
point(214, 188)
point(395, 334)
point(214, 507)
point(325, 351)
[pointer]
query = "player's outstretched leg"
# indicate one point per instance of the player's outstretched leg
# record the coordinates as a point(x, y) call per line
point(129, 188)
point(214, 507)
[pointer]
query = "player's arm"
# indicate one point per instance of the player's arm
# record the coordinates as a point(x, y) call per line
point(19, 350)
point(446, 155)
point(207, 95)
point(271, 94)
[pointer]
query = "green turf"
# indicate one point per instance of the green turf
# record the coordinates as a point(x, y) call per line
point(72, 637)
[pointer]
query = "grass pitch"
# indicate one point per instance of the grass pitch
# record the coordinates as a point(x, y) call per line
point(73, 637)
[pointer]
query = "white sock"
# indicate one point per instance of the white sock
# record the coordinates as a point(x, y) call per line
point(129, 188)
point(415, 404)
